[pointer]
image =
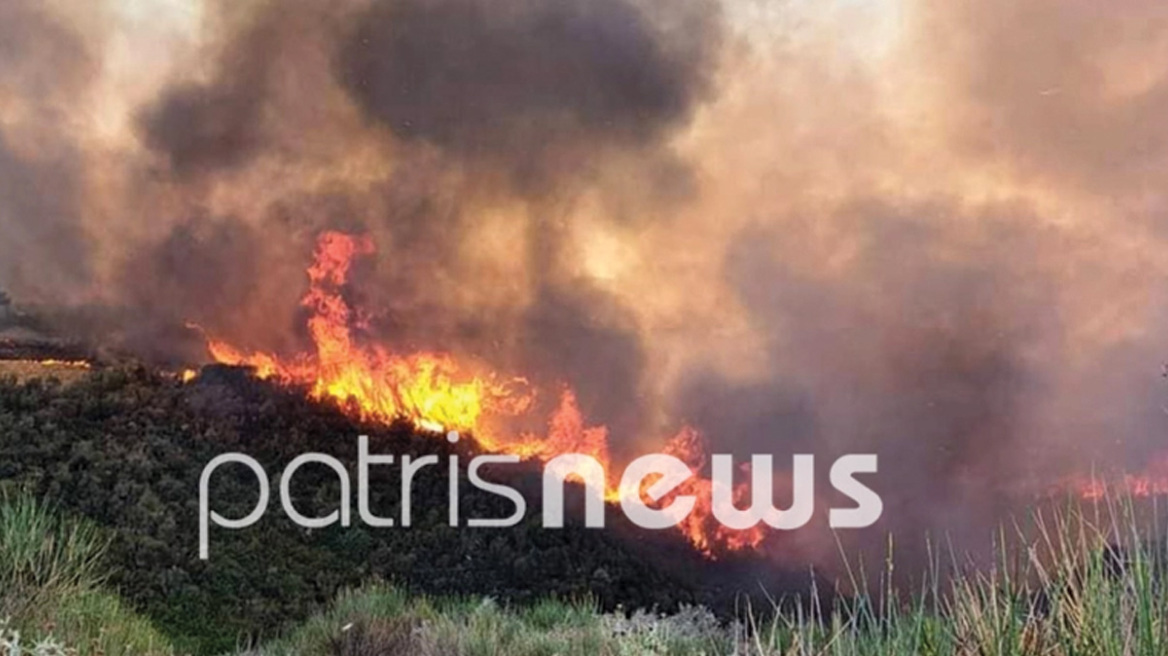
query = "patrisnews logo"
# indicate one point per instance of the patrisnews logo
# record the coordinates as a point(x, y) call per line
point(667, 474)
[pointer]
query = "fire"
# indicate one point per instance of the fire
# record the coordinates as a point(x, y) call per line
point(700, 527)
point(1114, 484)
point(437, 393)
point(1153, 482)
point(65, 364)
point(428, 389)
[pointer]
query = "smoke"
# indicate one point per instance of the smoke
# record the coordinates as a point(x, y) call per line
point(529, 87)
point(43, 67)
point(1062, 91)
point(580, 334)
point(935, 362)
point(39, 218)
point(211, 126)
point(926, 230)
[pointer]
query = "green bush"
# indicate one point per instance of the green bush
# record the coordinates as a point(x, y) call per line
point(51, 572)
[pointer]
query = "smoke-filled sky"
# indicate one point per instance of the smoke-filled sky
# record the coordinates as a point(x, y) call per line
point(930, 230)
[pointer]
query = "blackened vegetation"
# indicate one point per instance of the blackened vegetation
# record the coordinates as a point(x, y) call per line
point(42, 349)
point(126, 447)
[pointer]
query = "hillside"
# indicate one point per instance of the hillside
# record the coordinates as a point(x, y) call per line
point(125, 448)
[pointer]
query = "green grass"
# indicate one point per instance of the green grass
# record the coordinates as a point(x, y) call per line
point(43, 558)
point(51, 587)
point(1068, 583)
point(96, 621)
point(382, 619)
point(1072, 583)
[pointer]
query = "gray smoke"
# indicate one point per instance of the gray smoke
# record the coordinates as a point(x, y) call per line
point(45, 64)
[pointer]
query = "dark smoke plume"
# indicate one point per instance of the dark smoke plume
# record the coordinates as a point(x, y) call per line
point(529, 83)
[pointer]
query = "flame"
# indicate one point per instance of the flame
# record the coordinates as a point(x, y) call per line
point(67, 364)
point(1152, 482)
point(703, 531)
point(428, 389)
point(437, 393)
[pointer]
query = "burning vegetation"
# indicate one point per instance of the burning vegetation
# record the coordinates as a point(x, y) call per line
point(433, 393)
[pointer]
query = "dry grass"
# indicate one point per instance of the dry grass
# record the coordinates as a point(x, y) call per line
point(23, 370)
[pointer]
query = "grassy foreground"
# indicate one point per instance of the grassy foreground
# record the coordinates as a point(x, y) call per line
point(51, 595)
point(1069, 586)
point(1078, 586)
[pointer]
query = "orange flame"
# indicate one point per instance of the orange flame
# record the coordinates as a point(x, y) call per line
point(66, 364)
point(427, 389)
point(700, 527)
point(1153, 482)
point(434, 392)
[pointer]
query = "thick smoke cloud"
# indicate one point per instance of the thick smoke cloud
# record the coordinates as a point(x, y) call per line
point(208, 127)
point(220, 121)
point(524, 84)
point(43, 252)
point(464, 107)
point(582, 335)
